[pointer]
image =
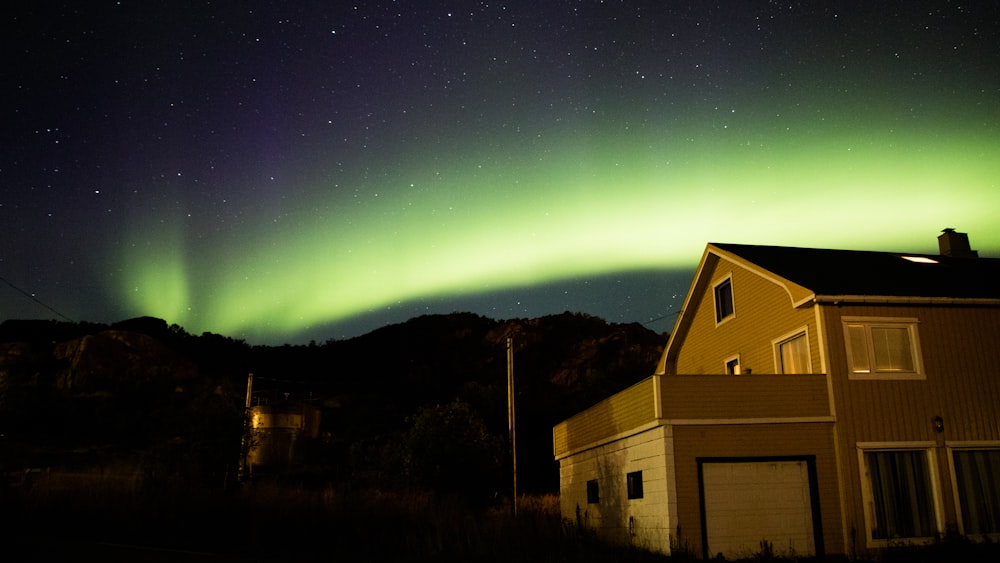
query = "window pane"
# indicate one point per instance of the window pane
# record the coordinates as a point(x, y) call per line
point(634, 483)
point(858, 342)
point(794, 355)
point(901, 495)
point(892, 349)
point(978, 476)
point(724, 300)
point(593, 493)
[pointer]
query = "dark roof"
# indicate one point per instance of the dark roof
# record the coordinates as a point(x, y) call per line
point(866, 273)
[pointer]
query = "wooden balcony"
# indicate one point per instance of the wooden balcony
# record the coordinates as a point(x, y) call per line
point(699, 397)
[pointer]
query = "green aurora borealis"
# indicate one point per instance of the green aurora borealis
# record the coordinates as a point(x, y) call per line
point(564, 208)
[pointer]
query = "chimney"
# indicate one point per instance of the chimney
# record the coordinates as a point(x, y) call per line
point(955, 244)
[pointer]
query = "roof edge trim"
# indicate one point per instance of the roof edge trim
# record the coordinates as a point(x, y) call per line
point(834, 299)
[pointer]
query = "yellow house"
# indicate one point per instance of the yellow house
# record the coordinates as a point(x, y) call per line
point(808, 401)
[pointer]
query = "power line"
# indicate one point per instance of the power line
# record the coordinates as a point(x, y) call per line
point(660, 318)
point(35, 299)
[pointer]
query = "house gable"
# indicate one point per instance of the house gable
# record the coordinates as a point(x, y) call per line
point(766, 306)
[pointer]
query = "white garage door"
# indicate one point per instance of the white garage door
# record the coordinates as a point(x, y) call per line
point(749, 502)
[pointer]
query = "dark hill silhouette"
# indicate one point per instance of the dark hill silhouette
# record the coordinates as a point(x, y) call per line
point(117, 377)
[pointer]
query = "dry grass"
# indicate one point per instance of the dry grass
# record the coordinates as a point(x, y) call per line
point(275, 522)
point(270, 522)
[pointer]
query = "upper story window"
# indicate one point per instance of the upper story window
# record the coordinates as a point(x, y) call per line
point(724, 307)
point(883, 348)
point(791, 353)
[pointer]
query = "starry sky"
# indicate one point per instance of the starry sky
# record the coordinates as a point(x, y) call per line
point(282, 172)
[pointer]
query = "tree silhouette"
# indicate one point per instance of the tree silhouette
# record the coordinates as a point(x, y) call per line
point(448, 449)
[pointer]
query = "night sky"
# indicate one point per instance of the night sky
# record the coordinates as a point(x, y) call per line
point(290, 171)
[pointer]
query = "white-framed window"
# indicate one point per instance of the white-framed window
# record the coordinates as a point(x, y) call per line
point(725, 307)
point(883, 348)
point(977, 488)
point(732, 365)
point(791, 353)
point(898, 484)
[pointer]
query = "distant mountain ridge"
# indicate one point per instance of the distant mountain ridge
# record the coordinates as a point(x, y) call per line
point(369, 384)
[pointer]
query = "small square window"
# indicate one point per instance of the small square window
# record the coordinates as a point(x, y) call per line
point(593, 493)
point(724, 300)
point(634, 482)
point(733, 366)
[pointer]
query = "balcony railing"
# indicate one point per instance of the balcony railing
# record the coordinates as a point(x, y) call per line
point(697, 397)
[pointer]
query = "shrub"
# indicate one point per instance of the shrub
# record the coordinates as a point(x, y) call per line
point(448, 449)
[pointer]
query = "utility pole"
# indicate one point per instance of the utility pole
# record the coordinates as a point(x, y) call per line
point(244, 468)
point(511, 427)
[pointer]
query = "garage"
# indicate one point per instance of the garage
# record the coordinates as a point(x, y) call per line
point(747, 502)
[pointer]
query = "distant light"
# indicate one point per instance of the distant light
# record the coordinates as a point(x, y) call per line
point(920, 259)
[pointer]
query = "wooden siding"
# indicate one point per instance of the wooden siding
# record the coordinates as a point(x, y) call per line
point(959, 348)
point(745, 396)
point(753, 442)
point(764, 312)
point(622, 412)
